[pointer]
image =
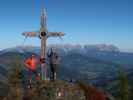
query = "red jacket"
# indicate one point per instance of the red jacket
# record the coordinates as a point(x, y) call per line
point(31, 63)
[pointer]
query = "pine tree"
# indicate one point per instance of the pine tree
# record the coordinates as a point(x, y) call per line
point(14, 80)
point(123, 86)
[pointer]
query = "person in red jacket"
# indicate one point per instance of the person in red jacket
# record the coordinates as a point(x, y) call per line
point(31, 65)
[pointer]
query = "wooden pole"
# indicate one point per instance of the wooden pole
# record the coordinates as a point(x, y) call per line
point(43, 36)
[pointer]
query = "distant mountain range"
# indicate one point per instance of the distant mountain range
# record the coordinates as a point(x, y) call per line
point(103, 52)
point(66, 48)
point(96, 64)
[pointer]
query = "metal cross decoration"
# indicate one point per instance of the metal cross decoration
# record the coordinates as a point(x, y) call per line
point(43, 34)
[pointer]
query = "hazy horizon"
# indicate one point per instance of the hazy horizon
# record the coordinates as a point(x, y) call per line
point(128, 51)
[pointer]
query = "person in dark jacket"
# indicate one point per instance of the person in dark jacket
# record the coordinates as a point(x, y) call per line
point(54, 63)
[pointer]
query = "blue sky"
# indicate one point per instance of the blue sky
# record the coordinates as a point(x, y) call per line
point(83, 21)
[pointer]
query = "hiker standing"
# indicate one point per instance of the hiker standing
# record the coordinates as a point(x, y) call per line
point(54, 63)
point(31, 64)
